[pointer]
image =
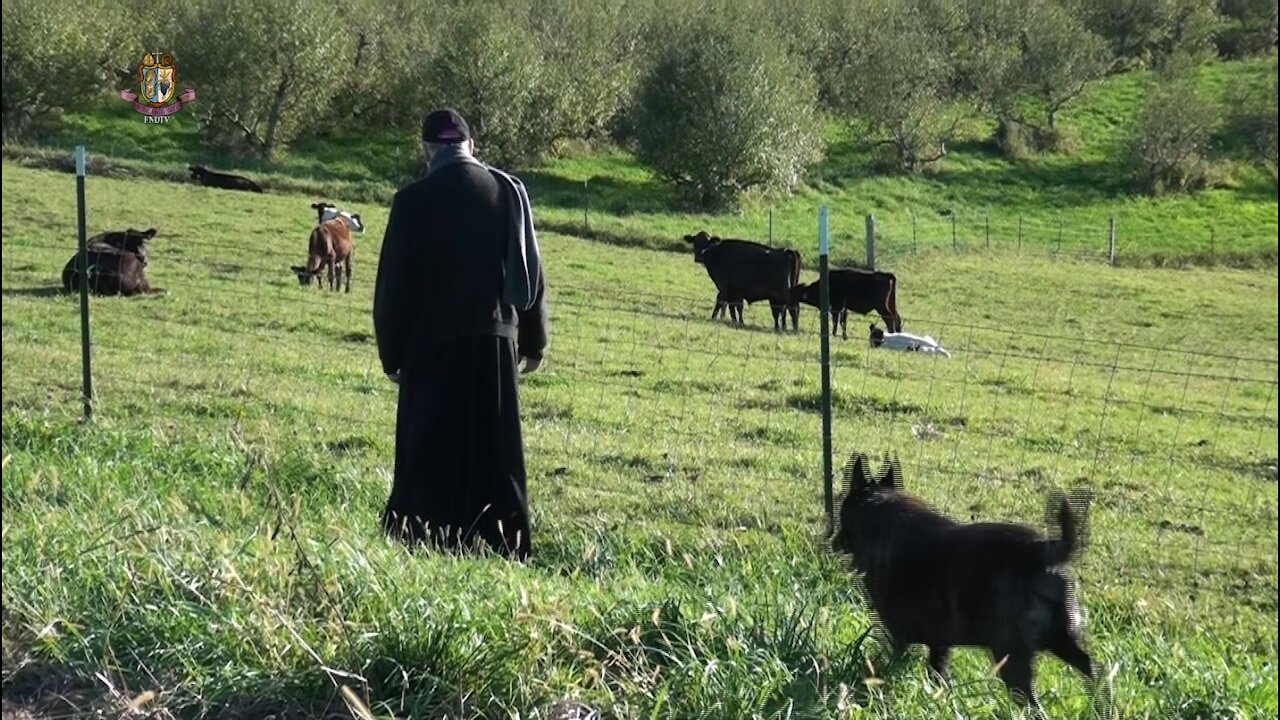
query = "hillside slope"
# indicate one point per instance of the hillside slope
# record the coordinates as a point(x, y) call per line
point(211, 535)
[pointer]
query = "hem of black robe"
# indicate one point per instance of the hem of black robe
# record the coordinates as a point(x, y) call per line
point(415, 535)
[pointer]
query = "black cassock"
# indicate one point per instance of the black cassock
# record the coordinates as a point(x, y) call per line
point(439, 321)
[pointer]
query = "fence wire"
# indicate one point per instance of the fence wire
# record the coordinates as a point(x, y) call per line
point(648, 402)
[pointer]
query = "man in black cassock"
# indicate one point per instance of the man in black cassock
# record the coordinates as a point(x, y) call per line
point(459, 301)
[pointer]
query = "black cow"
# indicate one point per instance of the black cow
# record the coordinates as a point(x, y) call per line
point(858, 290)
point(748, 271)
point(111, 272)
point(205, 176)
point(117, 262)
point(131, 240)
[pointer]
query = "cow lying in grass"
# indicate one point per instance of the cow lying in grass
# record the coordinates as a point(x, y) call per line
point(326, 211)
point(330, 246)
point(117, 264)
point(204, 176)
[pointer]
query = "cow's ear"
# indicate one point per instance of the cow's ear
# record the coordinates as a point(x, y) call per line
point(150, 232)
point(688, 238)
point(297, 268)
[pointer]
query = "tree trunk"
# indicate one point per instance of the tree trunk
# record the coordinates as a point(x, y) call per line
point(273, 119)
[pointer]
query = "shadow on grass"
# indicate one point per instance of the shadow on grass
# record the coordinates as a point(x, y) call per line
point(608, 237)
point(35, 292)
point(599, 194)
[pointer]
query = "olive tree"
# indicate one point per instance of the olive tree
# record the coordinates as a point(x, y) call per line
point(1169, 145)
point(54, 57)
point(1150, 31)
point(723, 109)
point(901, 84)
point(384, 82)
point(490, 68)
point(1059, 58)
point(588, 53)
point(266, 68)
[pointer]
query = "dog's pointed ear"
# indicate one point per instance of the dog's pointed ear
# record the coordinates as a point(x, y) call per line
point(892, 478)
point(855, 474)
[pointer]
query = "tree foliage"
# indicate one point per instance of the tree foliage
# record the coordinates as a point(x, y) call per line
point(268, 68)
point(1169, 146)
point(1248, 27)
point(720, 112)
point(589, 52)
point(1059, 57)
point(54, 60)
point(901, 84)
point(532, 74)
point(1147, 32)
point(492, 71)
point(385, 81)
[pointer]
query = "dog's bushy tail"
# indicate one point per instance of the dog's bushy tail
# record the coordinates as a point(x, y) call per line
point(1069, 515)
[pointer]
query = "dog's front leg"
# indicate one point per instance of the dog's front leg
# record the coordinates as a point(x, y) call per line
point(939, 659)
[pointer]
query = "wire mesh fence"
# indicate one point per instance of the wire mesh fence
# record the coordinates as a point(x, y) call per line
point(650, 403)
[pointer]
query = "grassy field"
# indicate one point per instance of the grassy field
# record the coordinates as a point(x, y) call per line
point(211, 536)
point(1060, 202)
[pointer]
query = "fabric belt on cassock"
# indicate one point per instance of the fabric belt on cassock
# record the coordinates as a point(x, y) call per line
point(481, 328)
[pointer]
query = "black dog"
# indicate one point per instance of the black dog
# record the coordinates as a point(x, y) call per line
point(205, 176)
point(940, 583)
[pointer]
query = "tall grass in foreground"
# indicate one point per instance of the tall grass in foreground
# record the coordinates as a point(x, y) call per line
point(211, 536)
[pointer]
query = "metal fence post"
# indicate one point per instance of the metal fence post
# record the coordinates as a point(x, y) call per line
point(82, 236)
point(871, 242)
point(1111, 243)
point(824, 248)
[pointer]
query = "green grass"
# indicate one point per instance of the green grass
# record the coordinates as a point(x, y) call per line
point(1061, 203)
point(211, 535)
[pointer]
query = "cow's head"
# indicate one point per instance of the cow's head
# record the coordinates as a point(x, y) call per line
point(702, 242)
point(807, 293)
point(135, 241)
point(356, 223)
point(321, 207)
point(198, 171)
point(131, 241)
point(305, 274)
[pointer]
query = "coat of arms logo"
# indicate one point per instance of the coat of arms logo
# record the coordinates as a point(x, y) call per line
point(158, 81)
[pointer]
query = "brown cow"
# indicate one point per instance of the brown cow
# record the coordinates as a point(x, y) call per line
point(330, 245)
